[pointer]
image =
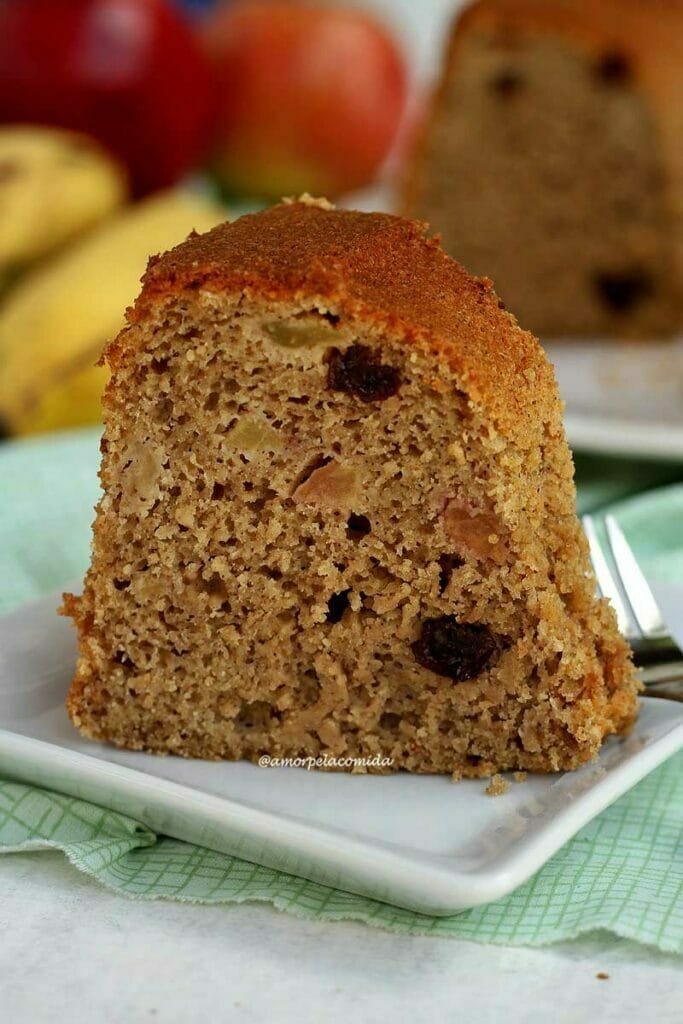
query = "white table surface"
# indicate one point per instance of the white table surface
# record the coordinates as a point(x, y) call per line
point(71, 951)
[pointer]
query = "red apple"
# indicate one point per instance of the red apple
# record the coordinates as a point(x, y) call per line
point(129, 72)
point(309, 97)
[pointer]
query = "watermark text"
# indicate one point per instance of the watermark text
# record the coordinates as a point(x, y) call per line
point(326, 761)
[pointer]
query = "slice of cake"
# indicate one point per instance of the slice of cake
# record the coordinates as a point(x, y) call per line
point(552, 160)
point(338, 515)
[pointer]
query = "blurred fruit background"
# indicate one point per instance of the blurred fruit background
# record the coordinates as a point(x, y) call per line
point(125, 124)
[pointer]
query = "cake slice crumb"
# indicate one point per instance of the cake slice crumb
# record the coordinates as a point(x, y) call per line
point(497, 786)
point(308, 200)
point(520, 776)
point(301, 567)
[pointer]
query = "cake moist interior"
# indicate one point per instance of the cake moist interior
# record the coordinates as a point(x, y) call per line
point(310, 541)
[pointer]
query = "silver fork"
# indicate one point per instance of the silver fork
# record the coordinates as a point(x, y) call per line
point(621, 580)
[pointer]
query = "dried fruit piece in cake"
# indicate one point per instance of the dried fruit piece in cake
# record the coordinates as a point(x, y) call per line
point(358, 373)
point(453, 649)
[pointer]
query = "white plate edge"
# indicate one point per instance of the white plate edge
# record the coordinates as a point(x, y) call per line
point(623, 437)
point(430, 884)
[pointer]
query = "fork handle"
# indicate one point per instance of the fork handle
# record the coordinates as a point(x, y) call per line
point(664, 680)
point(662, 651)
point(663, 672)
point(673, 690)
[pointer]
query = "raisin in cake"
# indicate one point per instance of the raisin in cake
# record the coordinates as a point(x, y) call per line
point(338, 515)
point(552, 161)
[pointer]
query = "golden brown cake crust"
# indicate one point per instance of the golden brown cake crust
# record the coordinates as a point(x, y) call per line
point(380, 267)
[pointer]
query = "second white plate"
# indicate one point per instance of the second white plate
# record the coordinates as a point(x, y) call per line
point(625, 398)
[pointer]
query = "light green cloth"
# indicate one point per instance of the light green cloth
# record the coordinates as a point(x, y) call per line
point(622, 872)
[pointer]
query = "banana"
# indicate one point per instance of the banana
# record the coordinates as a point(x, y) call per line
point(55, 322)
point(54, 185)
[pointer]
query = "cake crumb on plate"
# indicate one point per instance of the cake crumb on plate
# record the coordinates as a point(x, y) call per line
point(497, 786)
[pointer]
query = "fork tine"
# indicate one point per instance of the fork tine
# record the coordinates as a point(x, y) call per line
point(636, 587)
point(608, 584)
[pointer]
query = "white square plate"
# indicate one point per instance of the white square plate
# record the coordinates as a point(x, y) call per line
point(419, 842)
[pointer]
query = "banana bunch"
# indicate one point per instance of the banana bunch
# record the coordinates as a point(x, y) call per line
point(54, 185)
point(55, 322)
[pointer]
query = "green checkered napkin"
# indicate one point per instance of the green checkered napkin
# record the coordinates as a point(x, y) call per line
point(622, 872)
